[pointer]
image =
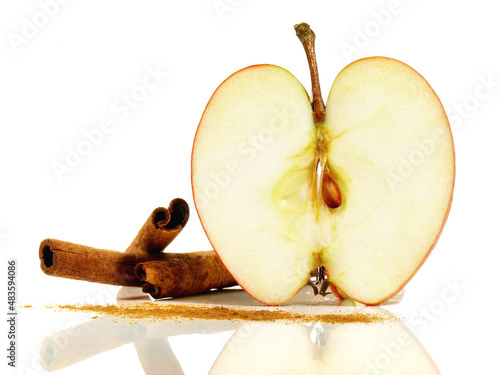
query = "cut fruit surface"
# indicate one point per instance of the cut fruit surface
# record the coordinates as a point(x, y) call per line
point(261, 166)
point(252, 161)
point(392, 148)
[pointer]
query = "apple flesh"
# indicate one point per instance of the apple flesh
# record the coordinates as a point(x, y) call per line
point(259, 163)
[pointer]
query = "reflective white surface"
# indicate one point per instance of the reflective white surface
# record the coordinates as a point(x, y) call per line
point(245, 347)
point(428, 337)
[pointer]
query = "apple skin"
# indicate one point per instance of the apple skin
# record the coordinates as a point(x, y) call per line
point(336, 290)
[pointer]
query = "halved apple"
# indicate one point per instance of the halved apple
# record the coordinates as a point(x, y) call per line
point(361, 188)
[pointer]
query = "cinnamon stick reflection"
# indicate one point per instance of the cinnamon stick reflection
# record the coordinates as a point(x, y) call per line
point(70, 346)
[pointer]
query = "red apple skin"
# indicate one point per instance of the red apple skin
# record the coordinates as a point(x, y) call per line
point(335, 289)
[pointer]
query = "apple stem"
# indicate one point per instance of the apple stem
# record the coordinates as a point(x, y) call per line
point(307, 37)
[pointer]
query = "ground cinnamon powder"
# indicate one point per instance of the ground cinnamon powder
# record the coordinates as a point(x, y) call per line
point(155, 311)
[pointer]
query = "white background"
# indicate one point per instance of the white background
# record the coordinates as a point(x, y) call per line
point(65, 69)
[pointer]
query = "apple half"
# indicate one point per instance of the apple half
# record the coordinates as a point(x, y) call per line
point(360, 187)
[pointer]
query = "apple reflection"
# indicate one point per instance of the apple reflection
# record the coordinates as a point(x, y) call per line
point(364, 349)
point(254, 348)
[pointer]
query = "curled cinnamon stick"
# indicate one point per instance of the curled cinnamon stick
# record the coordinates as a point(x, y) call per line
point(73, 261)
point(161, 228)
point(191, 273)
point(198, 273)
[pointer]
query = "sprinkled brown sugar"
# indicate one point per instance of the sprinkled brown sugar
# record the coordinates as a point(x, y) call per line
point(154, 311)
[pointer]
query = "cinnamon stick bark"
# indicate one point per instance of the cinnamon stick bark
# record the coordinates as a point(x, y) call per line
point(161, 228)
point(79, 262)
point(198, 273)
point(73, 261)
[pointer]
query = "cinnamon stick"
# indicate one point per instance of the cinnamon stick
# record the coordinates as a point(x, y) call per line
point(160, 229)
point(73, 261)
point(80, 262)
point(195, 274)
